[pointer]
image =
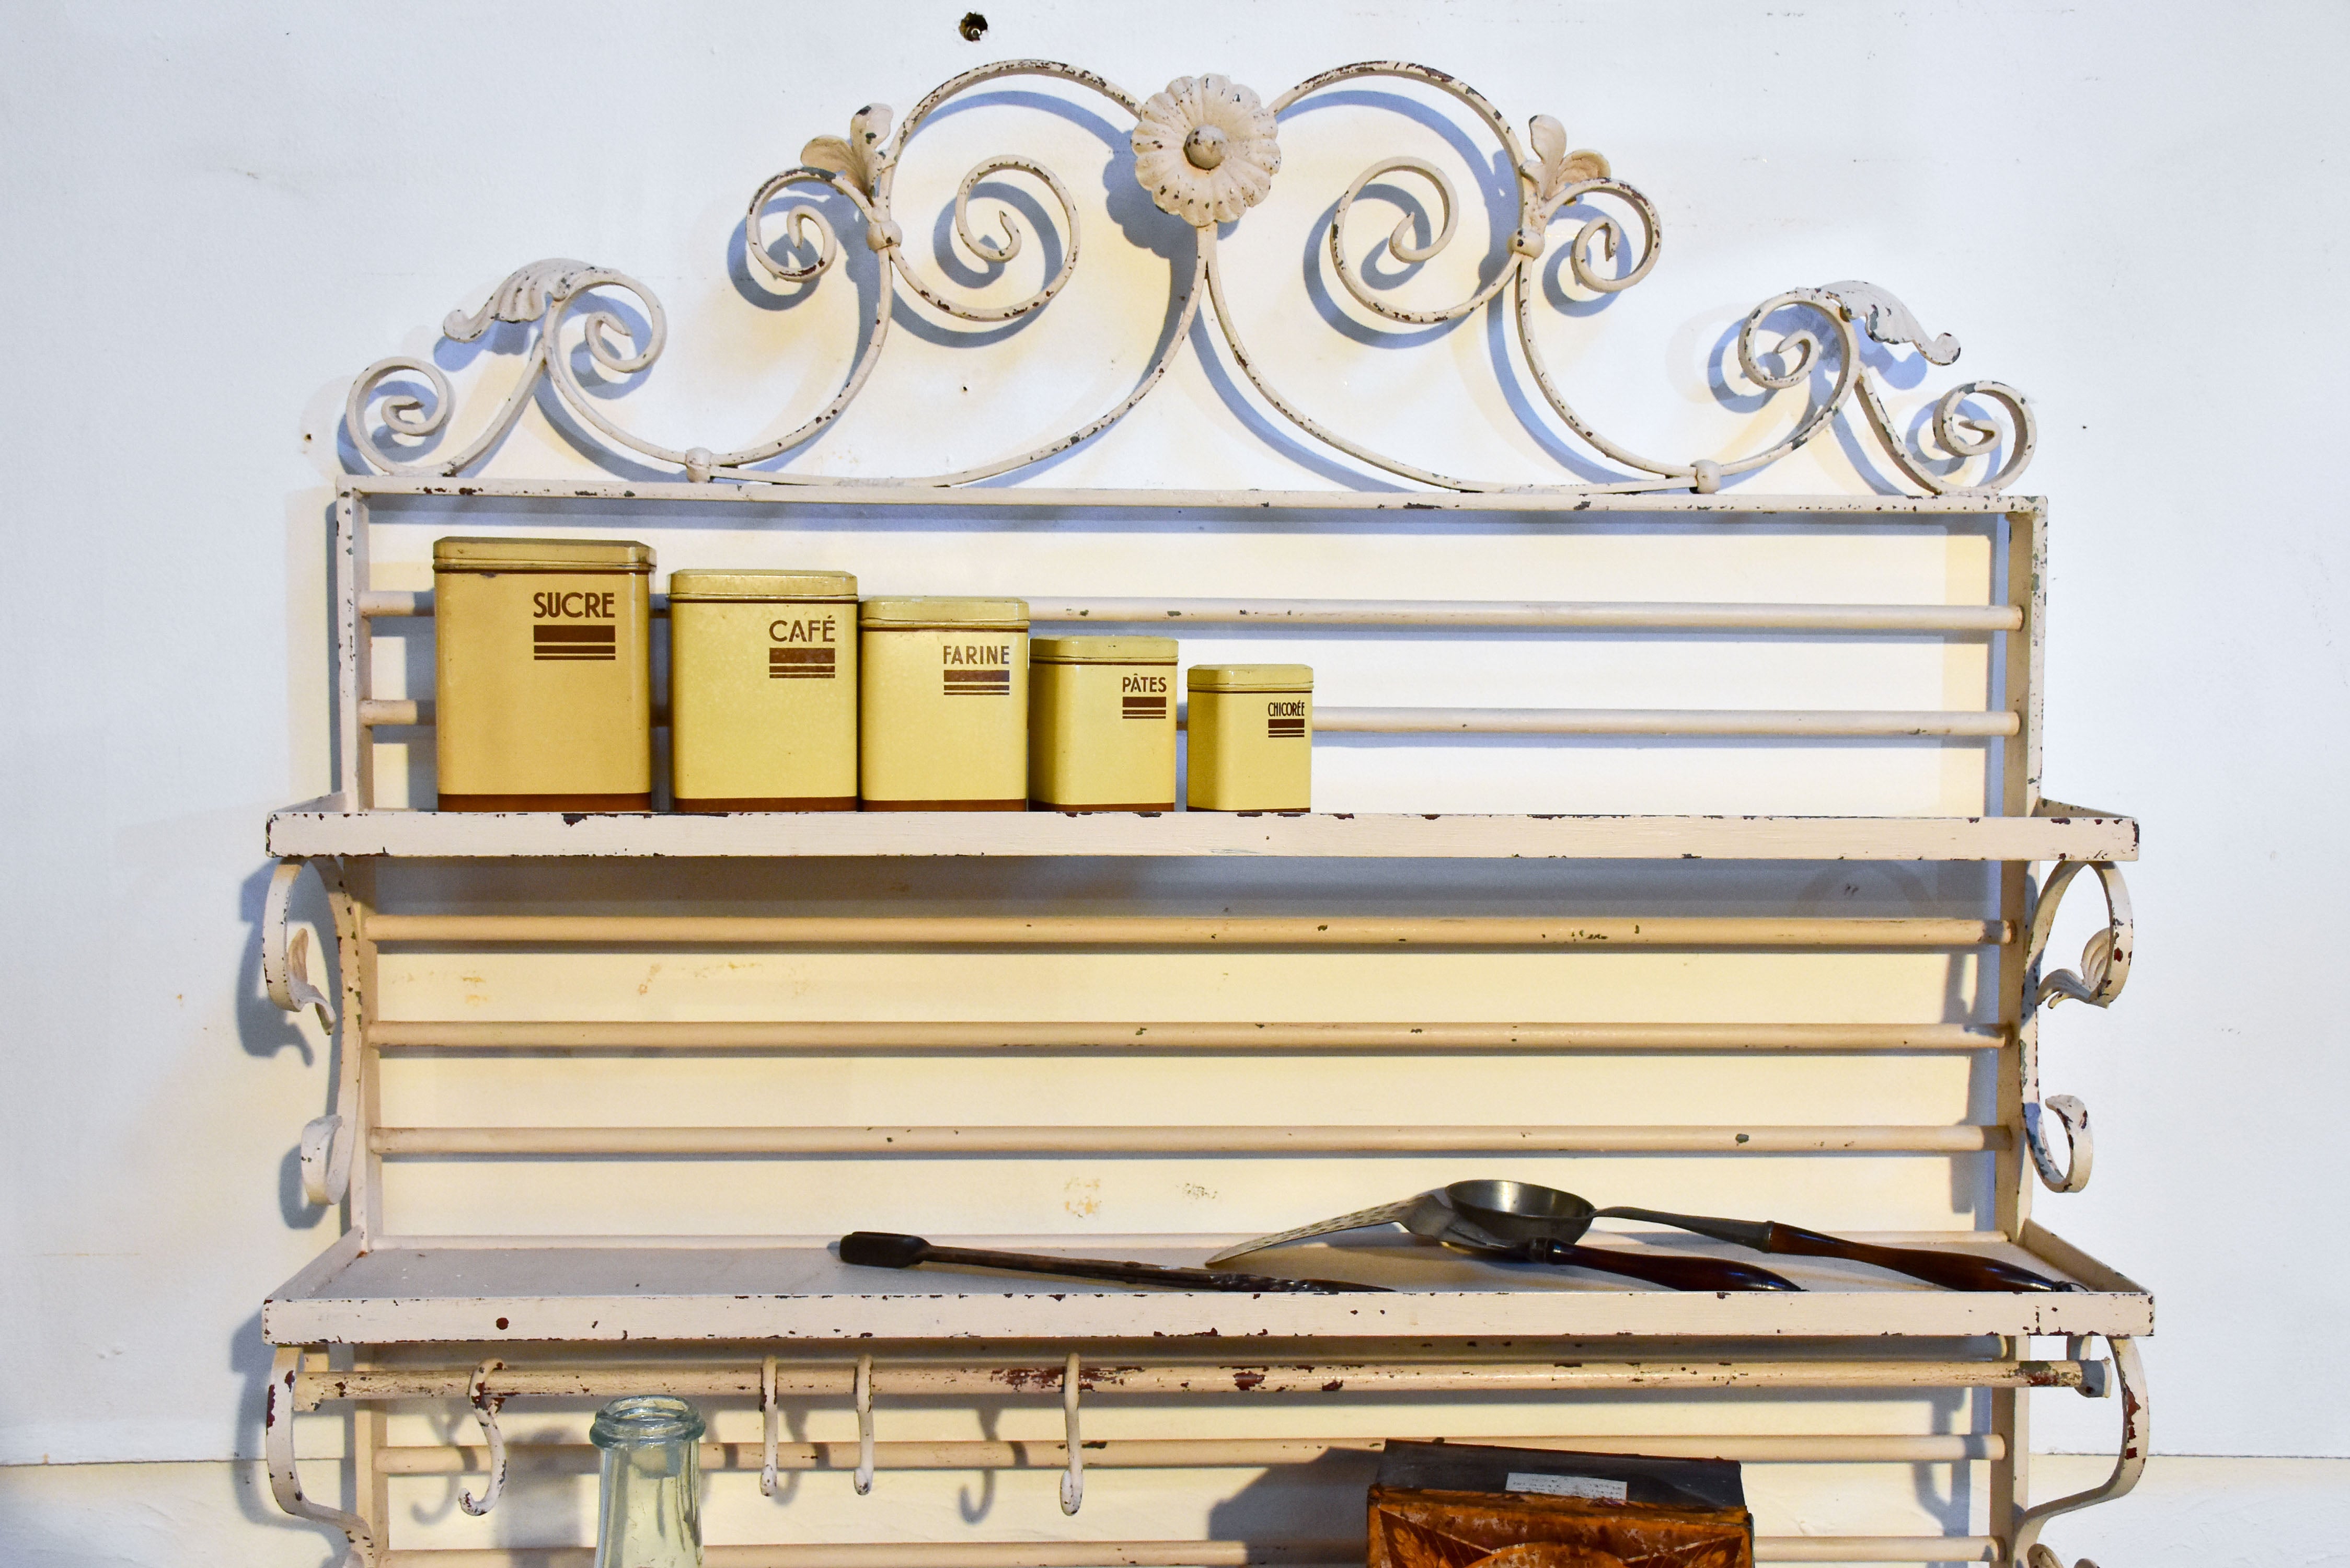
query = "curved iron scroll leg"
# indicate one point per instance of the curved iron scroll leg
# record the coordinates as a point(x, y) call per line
point(2105, 969)
point(2129, 1375)
point(286, 1481)
point(326, 1146)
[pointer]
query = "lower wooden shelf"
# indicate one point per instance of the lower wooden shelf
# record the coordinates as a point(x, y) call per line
point(416, 1291)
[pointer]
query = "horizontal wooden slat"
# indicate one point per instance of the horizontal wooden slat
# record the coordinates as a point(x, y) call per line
point(1192, 1140)
point(1857, 724)
point(1194, 931)
point(1438, 614)
point(1209, 1453)
point(714, 1034)
point(1847, 723)
point(1557, 505)
point(1155, 1553)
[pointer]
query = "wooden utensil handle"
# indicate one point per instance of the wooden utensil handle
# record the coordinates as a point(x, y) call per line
point(1676, 1270)
point(1954, 1270)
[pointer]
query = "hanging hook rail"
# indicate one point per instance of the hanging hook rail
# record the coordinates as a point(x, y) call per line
point(1321, 1378)
point(485, 1410)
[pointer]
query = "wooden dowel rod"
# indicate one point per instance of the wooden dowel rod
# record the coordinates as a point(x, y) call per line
point(1194, 931)
point(1187, 1140)
point(827, 1380)
point(673, 1034)
point(924, 1555)
point(1796, 722)
point(386, 713)
point(1203, 1453)
point(378, 604)
point(1601, 615)
point(1876, 1549)
point(1149, 1554)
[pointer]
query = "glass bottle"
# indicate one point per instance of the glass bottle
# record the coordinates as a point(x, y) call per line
point(648, 1514)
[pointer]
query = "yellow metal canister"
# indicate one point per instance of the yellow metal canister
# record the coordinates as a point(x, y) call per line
point(762, 690)
point(943, 704)
point(543, 677)
point(1252, 728)
point(1101, 723)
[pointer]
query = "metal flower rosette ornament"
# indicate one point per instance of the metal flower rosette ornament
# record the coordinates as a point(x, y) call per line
point(1206, 151)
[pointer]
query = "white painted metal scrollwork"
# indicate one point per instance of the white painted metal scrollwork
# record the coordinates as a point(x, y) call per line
point(2129, 1463)
point(324, 1154)
point(1207, 149)
point(2105, 969)
point(286, 1480)
point(286, 949)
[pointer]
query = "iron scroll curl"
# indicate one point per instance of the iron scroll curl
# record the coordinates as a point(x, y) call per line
point(1207, 149)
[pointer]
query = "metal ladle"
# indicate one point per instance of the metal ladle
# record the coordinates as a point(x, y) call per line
point(1521, 1214)
point(1435, 1217)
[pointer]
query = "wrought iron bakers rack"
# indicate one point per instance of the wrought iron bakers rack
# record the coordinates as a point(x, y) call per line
point(394, 1323)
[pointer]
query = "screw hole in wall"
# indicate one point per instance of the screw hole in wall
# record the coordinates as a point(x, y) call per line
point(973, 26)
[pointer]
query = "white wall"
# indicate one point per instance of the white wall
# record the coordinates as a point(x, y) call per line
point(215, 215)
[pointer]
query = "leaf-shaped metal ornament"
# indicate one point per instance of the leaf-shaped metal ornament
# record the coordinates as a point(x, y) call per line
point(522, 297)
point(859, 156)
point(1553, 168)
point(1888, 321)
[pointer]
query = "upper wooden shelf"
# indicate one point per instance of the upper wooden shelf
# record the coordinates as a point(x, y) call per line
point(442, 1290)
point(309, 830)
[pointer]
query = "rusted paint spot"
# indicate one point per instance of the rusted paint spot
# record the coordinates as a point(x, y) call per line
point(1245, 1380)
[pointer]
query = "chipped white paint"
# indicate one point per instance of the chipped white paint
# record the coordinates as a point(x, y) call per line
point(1207, 149)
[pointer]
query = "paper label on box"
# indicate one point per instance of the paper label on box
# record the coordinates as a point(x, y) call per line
point(1565, 1486)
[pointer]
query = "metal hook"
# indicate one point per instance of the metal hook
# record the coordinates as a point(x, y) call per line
point(864, 1425)
point(485, 1410)
point(769, 1419)
point(1072, 1484)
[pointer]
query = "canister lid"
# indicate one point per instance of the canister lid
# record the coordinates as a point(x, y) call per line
point(1101, 651)
point(695, 586)
point(509, 554)
point(1249, 678)
point(943, 613)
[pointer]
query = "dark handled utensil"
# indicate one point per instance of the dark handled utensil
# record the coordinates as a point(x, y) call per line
point(1432, 1215)
point(888, 1250)
point(1677, 1271)
point(1523, 1212)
